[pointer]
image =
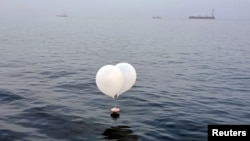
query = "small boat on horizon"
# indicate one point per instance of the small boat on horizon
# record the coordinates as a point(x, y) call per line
point(62, 15)
point(156, 17)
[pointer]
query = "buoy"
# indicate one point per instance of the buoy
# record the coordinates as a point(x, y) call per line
point(115, 110)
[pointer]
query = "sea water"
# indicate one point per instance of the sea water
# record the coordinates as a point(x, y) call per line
point(190, 73)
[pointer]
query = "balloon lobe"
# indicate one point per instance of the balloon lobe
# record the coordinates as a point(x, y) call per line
point(109, 80)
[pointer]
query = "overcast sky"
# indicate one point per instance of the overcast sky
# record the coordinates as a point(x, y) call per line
point(177, 9)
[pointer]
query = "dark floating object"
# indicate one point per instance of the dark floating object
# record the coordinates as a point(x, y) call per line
point(115, 115)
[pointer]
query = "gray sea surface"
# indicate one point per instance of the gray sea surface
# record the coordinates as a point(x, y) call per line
point(190, 73)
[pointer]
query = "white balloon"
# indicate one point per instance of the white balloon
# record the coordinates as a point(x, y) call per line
point(129, 75)
point(109, 80)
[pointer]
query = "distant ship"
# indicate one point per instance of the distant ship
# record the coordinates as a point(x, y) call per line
point(156, 17)
point(212, 17)
point(62, 15)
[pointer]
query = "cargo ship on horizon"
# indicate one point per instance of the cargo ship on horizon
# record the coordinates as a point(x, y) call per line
point(212, 17)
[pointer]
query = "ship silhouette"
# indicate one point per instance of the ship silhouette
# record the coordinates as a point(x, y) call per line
point(212, 17)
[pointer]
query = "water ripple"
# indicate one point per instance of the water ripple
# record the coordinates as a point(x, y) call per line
point(9, 97)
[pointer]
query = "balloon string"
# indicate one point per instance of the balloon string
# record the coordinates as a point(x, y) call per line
point(116, 100)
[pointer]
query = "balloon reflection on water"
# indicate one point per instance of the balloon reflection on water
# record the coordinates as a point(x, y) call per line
point(120, 133)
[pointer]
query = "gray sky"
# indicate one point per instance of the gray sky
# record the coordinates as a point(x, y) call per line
point(177, 9)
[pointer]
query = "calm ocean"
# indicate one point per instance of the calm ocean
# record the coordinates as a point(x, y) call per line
point(190, 73)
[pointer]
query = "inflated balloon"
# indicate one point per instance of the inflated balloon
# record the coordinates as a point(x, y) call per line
point(129, 75)
point(109, 80)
